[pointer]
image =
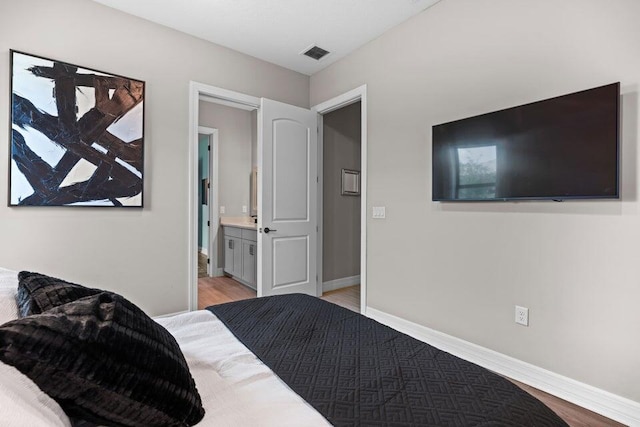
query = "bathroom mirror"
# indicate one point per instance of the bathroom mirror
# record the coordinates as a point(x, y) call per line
point(254, 192)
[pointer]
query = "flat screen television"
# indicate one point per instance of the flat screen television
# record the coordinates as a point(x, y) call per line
point(560, 148)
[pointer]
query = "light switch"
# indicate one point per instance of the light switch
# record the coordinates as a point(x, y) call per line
point(222, 209)
point(379, 212)
point(244, 208)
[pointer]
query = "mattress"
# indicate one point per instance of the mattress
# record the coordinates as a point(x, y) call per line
point(236, 388)
point(241, 384)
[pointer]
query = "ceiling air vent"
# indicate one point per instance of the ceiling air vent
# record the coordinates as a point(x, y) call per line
point(315, 52)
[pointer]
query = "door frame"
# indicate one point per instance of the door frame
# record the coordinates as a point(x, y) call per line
point(214, 216)
point(204, 92)
point(343, 100)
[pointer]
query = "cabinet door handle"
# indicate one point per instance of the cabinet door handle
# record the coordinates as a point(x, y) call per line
point(230, 244)
point(251, 250)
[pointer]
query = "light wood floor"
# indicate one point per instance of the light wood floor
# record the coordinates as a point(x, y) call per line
point(218, 290)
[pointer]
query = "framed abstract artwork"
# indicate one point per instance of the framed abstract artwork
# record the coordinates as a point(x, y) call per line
point(77, 135)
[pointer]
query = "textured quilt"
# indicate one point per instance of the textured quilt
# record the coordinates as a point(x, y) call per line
point(358, 372)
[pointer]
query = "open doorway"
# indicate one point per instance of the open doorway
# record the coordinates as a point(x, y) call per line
point(342, 253)
point(226, 229)
point(276, 120)
point(341, 205)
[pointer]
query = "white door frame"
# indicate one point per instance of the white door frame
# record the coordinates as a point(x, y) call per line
point(350, 97)
point(197, 92)
point(213, 190)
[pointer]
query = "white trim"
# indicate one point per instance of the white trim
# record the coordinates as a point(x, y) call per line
point(223, 96)
point(203, 251)
point(350, 97)
point(207, 98)
point(612, 406)
point(219, 272)
point(214, 218)
point(213, 94)
point(343, 282)
point(214, 202)
point(340, 101)
point(320, 242)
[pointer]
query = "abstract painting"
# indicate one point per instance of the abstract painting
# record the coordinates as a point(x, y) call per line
point(77, 135)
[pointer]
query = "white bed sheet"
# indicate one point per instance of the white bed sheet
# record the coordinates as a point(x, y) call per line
point(236, 388)
point(8, 292)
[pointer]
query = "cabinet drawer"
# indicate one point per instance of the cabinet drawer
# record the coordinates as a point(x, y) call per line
point(249, 262)
point(250, 235)
point(232, 231)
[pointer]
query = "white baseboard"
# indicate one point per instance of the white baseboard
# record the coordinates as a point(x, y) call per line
point(218, 273)
point(343, 282)
point(612, 406)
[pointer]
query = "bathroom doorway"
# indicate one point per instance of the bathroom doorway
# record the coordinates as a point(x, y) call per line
point(343, 199)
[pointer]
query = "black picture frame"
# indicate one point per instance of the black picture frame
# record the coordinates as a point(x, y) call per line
point(76, 135)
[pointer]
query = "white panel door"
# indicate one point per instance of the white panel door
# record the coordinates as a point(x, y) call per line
point(287, 209)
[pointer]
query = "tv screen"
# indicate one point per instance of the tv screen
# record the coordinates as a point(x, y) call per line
point(560, 148)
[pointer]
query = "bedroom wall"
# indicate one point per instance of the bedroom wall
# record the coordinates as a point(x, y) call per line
point(460, 268)
point(341, 214)
point(141, 253)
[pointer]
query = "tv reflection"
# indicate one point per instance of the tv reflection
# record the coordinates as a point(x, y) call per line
point(476, 172)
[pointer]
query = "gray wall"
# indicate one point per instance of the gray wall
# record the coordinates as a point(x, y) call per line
point(254, 139)
point(234, 154)
point(235, 136)
point(141, 253)
point(341, 214)
point(460, 268)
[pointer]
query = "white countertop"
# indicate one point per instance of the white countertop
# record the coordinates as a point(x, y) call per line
point(239, 222)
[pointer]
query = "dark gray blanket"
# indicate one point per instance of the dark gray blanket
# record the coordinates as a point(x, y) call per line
point(358, 372)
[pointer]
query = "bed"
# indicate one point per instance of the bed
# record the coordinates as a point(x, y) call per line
point(299, 361)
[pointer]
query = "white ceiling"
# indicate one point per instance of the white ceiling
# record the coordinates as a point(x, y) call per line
point(278, 30)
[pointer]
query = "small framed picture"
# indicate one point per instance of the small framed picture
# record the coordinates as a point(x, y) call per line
point(350, 182)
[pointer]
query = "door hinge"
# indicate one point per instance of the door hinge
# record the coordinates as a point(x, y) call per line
point(208, 148)
point(317, 229)
point(208, 223)
point(208, 261)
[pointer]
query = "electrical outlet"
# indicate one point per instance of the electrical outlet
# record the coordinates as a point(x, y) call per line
point(379, 212)
point(244, 208)
point(522, 315)
point(222, 209)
